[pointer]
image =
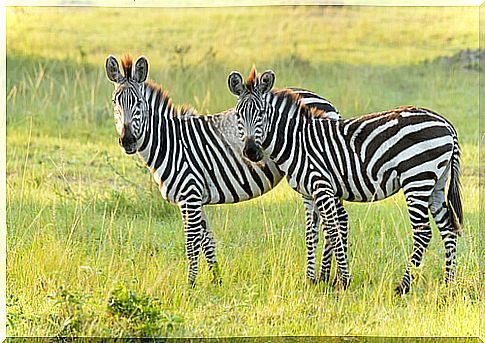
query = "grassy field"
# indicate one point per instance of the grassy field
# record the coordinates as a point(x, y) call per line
point(93, 250)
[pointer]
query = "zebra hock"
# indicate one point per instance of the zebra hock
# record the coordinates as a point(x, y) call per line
point(195, 160)
point(360, 159)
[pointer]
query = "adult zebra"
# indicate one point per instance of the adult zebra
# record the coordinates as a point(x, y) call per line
point(195, 160)
point(360, 159)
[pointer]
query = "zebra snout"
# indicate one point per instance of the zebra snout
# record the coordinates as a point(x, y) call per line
point(252, 150)
point(128, 141)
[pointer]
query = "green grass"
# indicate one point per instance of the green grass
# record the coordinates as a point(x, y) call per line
point(94, 250)
point(242, 35)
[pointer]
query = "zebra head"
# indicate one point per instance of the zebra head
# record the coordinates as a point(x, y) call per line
point(130, 105)
point(250, 109)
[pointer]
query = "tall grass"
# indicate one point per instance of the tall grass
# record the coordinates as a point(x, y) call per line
point(93, 250)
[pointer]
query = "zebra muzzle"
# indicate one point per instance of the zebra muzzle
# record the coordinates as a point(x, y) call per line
point(128, 142)
point(252, 150)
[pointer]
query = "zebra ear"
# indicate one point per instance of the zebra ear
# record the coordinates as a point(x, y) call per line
point(266, 81)
point(140, 72)
point(113, 70)
point(235, 83)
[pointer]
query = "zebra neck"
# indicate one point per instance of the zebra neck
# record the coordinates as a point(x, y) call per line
point(158, 135)
point(159, 102)
point(285, 135)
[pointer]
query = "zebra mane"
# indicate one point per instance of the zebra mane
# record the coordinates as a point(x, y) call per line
point(127, 64)
point(309, 112)
point(179, 110)
point(252, 79)
point(389, 114)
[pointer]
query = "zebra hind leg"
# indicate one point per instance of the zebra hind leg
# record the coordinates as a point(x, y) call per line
point(418, 212)
point(209, 250)
point(441, 215)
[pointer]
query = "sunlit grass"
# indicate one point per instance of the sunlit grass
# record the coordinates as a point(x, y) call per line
point(84, 219)
point(242, 35)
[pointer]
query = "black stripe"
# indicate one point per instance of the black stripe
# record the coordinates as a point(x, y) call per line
point(188, 133)
point(419, 159)
point(160, 136)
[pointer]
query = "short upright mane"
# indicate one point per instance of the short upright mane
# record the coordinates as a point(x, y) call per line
point(127, 64)
point(391, 114)
point(180, 110)
point(252, 78)
point(310, 112)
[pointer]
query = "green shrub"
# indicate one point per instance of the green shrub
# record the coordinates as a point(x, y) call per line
point(141, 314)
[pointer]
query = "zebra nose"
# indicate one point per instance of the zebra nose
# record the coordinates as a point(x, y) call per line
point(125, 130)
point(252, 151)
point(127, 140)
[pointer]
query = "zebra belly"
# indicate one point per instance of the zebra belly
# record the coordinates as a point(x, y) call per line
point(240, 183)
point(370, 188)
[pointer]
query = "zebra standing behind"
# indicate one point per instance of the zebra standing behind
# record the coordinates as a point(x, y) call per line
point(195, 160)
point(360, 159)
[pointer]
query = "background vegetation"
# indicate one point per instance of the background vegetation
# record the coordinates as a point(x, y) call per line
point(94, 250)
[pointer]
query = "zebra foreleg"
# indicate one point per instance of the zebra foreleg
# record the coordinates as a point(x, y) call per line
point(329, 220)
point(326, 264)
point(209, 250)
point(192, 217)
point(311, 219)
point(343, 220)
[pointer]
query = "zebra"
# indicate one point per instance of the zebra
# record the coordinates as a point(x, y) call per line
point(195, 159)
point(361, 159)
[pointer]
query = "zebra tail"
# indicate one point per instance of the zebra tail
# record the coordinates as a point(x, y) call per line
point(454, 190)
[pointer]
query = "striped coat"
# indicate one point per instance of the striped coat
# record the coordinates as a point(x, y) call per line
point(196, 160)
point(361, 159)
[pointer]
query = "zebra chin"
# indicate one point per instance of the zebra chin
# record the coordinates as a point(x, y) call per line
point(129, 148)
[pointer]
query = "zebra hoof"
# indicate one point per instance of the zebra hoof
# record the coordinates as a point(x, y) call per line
point(311, 281)
point(325, 278)
point(217, 281)
point(341, 282)
point(335, 281)
point(401, 290)
point(449, 280)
